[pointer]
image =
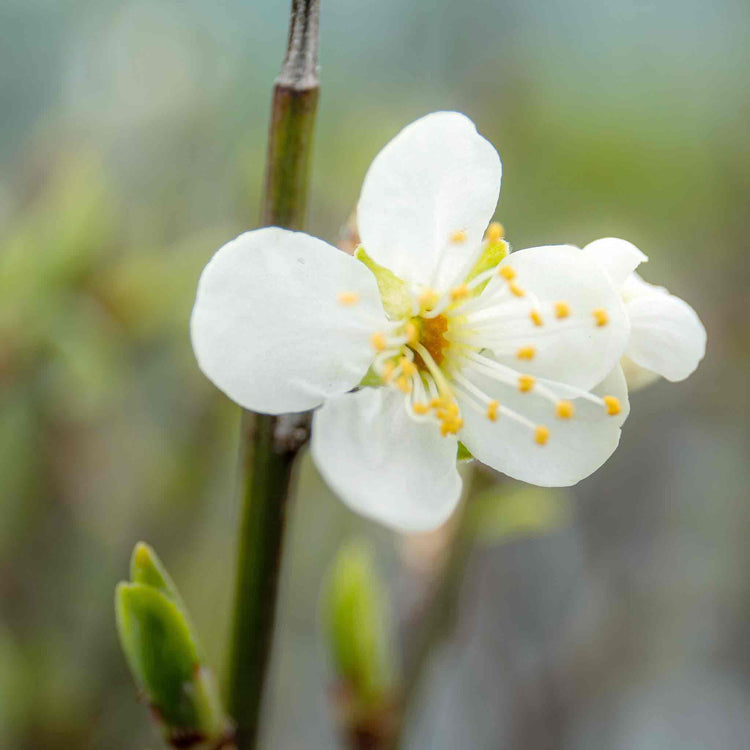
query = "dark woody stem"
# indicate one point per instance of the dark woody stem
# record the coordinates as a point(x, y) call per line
point(270, 444)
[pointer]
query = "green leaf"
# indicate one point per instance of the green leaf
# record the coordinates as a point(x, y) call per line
point(357, 615)
point(502, 513)
point(393, 291)
point(160, 650)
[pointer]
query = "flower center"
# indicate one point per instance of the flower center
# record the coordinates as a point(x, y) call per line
point(431, 333)
point(442, 350)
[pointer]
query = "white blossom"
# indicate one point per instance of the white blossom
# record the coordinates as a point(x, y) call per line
point(667, 338)
point(427, 337)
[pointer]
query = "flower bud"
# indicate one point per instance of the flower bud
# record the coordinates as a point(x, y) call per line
point(357, 619)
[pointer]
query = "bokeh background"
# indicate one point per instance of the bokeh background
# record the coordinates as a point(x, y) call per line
point(131, 146)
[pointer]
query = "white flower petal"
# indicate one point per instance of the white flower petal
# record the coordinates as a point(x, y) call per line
point(576, 447)
point(268, 329)
point(635, 286)
point(438, 176)
point(667, 336)
point(637, 377)
point(619, 258)
point(572, 349)
point(382, 463)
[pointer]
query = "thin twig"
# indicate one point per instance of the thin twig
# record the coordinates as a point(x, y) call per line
point(270, 444)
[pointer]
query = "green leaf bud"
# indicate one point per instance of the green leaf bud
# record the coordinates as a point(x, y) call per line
point(164, 656)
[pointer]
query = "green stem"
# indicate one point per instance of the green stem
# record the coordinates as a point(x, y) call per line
point(270, 444)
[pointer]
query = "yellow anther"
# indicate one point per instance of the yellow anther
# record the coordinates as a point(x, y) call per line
point(541, 435)
point(495, 232)
point(347, 299)
point(526, 383)
point(403, 384)
point(600, 316)
point(412, 333)
point(388, 369)
point(613, 405)
point(515, 289)
point(451, 426)
point(419, 407)
point(526, 352)
point(536, 318)
point(492, 409)
point(562, 309)
point(458, 236)
point(428, 299)
point(459, 292)
point(447, 411)
point(378, 342)
point(407, 366)
point(564, 409)
point(507, 272)
point(437, 403)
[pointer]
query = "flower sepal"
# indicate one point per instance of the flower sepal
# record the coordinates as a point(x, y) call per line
point(397, 301)
point(464, 454)
point(495, 249)
point(371, 379)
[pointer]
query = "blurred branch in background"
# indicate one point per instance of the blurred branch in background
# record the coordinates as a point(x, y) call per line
point(432, 620)
point(489, 514)
point(377, 691)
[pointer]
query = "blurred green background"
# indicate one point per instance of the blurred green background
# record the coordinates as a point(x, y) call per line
point(132, 144)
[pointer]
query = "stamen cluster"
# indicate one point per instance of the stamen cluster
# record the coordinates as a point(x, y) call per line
point(436, 355)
